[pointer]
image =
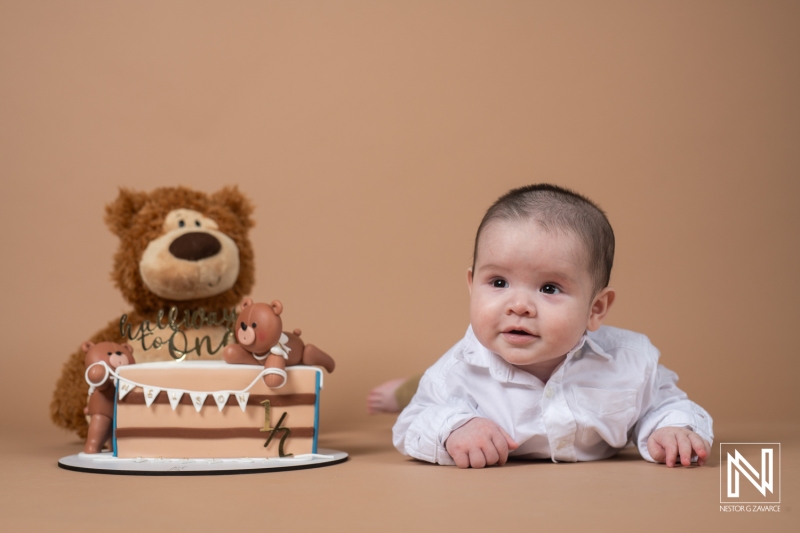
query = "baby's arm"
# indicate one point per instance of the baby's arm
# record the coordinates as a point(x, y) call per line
point(478, 443)
point(423, 427)
point(671, 425)
point(442, 423)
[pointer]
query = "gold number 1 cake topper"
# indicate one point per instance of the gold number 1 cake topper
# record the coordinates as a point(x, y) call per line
point(267, 415)
point(278, 427)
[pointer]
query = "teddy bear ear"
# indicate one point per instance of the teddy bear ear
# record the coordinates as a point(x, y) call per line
point(231, 199)
point(121, 212)
point(86, 346)
point(277, 306)
point(247, 302)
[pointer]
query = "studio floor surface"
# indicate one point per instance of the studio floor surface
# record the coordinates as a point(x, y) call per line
point(377, 489)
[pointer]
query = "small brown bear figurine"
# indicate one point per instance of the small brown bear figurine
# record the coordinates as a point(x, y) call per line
point(259, 337)
point(101, 402)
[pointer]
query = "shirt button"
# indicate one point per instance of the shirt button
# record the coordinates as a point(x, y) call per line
point(549, 392)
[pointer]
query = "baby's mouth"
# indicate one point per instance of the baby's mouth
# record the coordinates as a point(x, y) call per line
point(518, 331)
point(518, 335)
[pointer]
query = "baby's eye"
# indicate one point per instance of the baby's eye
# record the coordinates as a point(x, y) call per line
point(181, 223)
point(549, 288)
point(499, 283)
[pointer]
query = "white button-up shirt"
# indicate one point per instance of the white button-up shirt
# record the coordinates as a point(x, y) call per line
point(609, 391)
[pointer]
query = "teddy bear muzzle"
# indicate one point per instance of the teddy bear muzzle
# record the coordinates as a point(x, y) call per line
point(117, 360)
point(246, 335)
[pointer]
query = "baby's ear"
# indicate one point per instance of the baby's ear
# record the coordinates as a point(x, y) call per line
point(600, 306)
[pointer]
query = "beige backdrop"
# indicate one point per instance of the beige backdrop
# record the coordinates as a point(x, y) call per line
point(371, 136)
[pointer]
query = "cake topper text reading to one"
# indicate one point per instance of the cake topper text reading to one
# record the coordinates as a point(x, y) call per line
point(177, 342)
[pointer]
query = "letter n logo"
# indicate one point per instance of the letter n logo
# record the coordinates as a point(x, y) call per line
point(750, 473)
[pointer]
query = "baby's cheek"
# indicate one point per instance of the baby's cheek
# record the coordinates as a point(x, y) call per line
point(567, 331)
point(483, 314)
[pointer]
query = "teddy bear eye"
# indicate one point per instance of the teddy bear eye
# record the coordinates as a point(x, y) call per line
point(254, 325)
point(109, 353)
point(181, 224)
point(119, 353)
point(197, 223)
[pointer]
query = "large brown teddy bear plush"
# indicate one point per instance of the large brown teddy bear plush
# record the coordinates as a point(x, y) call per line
point(178, 248)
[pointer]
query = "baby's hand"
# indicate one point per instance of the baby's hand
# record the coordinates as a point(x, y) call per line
point(667, 443)
point(478, 443)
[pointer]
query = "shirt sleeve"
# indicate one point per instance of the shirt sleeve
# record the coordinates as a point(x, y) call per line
point(423, 427)
point(665, 405)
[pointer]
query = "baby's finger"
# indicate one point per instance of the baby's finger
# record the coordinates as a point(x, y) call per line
point(670, 449)
point(501, 445)
point(699, 447)
point(657, 451)
point(461, 459)
point(685, 449)
point(476, 458)
point(512, 445)
point(490, 453)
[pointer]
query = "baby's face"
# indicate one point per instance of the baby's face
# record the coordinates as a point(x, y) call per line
point(531, 293)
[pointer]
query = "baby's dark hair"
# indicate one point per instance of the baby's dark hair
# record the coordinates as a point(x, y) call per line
point(559, 209)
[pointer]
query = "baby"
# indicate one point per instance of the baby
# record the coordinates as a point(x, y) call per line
point(537, 375)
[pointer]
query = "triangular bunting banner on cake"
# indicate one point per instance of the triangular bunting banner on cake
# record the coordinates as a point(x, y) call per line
point(221, 398)
point(198, 399)
point(124, 388)
point(174, 396)
point(150, 394)
point(242, 397)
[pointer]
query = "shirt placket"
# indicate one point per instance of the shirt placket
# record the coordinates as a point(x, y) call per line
point(559, 421)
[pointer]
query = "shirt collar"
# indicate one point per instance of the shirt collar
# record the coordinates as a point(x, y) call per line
point(596, 348)
point(476, 354)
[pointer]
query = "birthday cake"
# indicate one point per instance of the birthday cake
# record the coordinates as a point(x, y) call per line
point(262, 401)
point(212, 409)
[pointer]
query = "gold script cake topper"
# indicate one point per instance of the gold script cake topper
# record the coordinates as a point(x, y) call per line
point(177, 342)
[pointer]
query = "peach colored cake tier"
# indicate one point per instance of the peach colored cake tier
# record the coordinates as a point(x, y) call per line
point(210, 409)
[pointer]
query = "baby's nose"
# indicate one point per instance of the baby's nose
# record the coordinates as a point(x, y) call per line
point(522, 306)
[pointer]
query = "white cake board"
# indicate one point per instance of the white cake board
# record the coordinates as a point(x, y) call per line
point(105, 463)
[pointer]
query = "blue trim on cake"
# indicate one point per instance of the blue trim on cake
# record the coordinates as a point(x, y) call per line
point(114, 426)
point(316, 412)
